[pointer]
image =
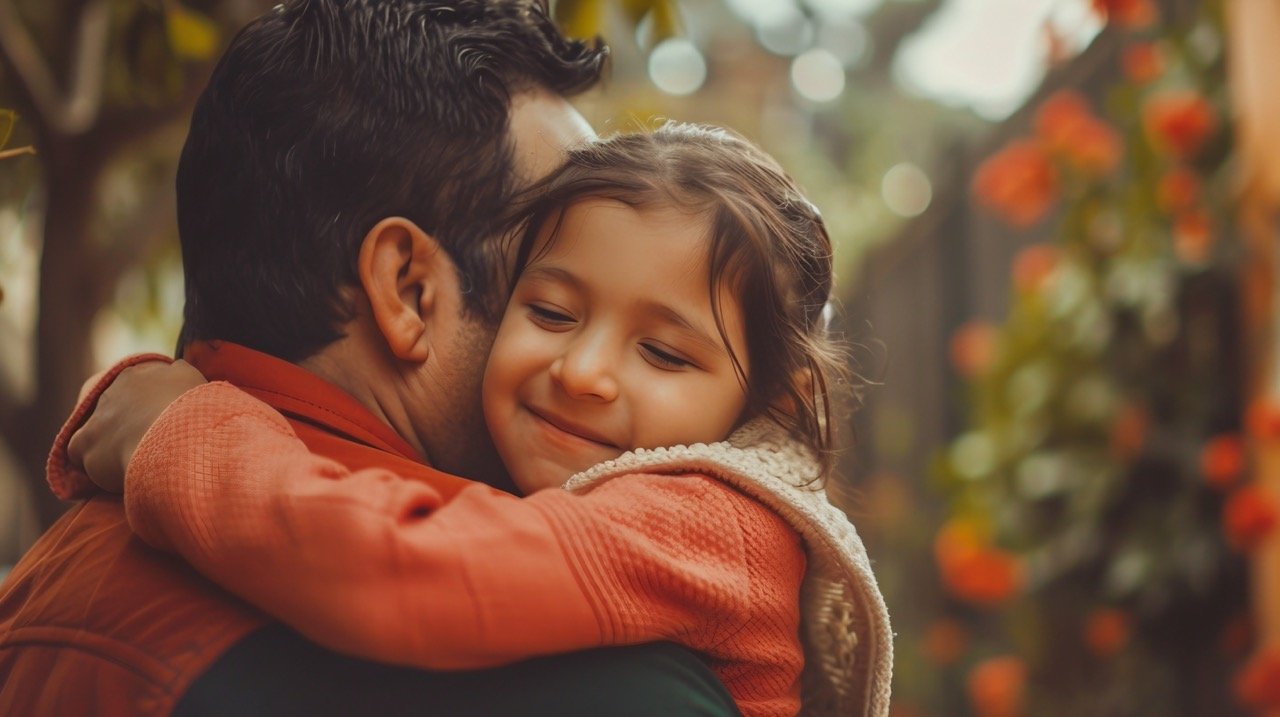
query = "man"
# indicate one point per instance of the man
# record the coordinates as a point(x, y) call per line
point(338, 202)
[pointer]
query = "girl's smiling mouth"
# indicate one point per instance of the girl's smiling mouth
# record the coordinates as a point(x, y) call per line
point(573, 429)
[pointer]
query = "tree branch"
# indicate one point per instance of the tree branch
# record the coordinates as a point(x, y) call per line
point(16, 151)
point(74, 112)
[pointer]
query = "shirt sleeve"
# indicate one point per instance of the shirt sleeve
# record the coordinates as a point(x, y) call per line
point(379, 566)
point(67, 480)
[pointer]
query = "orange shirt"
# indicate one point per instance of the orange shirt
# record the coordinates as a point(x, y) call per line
point(366, 563)
point(92, 621)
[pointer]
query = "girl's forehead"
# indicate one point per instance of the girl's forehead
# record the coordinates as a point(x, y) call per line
point(591, 221)
point(607, 243)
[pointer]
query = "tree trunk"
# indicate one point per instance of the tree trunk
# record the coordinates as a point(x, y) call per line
point(70, 295)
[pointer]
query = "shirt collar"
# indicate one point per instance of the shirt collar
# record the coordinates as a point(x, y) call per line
point(295, 392)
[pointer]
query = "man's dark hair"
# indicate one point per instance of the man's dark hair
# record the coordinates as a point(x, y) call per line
point(324, 117)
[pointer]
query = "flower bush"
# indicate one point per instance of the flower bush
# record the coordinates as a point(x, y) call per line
point(1099, 507)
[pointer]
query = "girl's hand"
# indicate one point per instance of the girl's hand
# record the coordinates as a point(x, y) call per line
point(105, 443)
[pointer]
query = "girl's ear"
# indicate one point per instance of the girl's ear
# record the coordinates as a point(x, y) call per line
point(400, 268)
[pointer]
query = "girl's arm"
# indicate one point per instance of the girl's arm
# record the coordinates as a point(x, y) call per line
point(376, 565)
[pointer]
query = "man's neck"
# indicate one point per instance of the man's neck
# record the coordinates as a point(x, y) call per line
point(348, 365)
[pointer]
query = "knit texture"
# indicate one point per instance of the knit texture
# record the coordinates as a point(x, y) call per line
point(685, 557)
point(847, 638)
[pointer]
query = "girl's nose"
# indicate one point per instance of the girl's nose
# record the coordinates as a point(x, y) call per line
point(586, 371)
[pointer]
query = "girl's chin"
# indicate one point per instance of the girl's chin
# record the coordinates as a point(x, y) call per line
point(540, 466)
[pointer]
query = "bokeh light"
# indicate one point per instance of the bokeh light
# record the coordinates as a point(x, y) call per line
point(990, 55)
point(787, 33)
point(906, 190)
point(677, 67)
point(762, 12)
point(842, 8)
point(847, 39)
point(818, 75)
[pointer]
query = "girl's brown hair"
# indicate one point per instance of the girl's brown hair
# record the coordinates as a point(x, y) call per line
point(766, 242)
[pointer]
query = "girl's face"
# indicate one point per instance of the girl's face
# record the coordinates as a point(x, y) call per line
point(609, 343)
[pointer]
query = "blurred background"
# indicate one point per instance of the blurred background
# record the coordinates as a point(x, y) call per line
point(1054, 222)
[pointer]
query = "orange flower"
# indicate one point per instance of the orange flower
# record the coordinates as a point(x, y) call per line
point(1129, 431)
point(1033, 265)
point(1257, 684)
point(1129, 14)
point(1059, 116)
point(1178, 190)
point(1222, 460)
point(971, 568)
point(1248, 517)
point(1192, 237)
point(1143, 62)
point(997, 687)
point(990, 578)
point(973, 348)
point(957, 541)
point(1068, 128)
point(1095, 149)
point(1179, 122)
point(1262, 420)
point(1018, 183)
point(944, 642)
point(1106, 631)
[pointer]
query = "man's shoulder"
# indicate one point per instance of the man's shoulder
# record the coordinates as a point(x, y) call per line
point(88, 571)
point(98, 602)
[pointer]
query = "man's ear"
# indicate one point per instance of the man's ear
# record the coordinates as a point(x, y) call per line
point(401, 268)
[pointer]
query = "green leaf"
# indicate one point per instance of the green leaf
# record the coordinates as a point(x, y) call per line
point(637, 9)
point(580, 18)
point(8, 118)
point(191, 35)
point(666, 20)
point(659, 19)
point(663, 19)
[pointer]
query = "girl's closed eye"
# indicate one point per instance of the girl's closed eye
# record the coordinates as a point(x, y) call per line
point(549, 317)
point(664, 359)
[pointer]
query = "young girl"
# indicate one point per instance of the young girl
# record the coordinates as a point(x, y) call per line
point(664, 345)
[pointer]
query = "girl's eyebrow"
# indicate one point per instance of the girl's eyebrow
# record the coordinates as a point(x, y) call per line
point(670, 315)
point(553, 273)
